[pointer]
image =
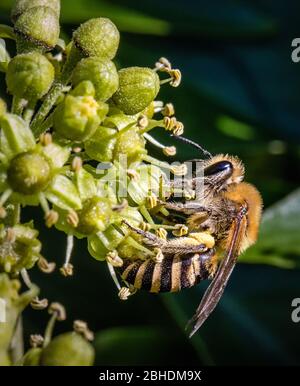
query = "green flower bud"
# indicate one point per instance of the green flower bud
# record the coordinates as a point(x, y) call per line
point(149, 180)
point(77, 118)
point(21, 6)
point(32, 357)
point(69, 349)
point(138, 87)
point(84, 88)
point(22, 251)
point(130, 143)
point(29, 173)
point(102, 73)
point(100, 146)
point(29, 76)
point(100, 244)
point(94, 216)
point(97, 37)
point(37, 27)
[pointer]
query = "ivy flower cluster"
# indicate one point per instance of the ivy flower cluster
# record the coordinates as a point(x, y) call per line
point(73, 141)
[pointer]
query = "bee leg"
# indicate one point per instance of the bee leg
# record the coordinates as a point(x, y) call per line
point(182, 250)
point(212, 265)
point(149, 238)
point(187, 208)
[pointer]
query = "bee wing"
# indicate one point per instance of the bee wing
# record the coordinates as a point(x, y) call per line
point(216, 288)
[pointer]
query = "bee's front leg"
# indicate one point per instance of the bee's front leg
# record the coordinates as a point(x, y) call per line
point(149, 238)
point(187, 208)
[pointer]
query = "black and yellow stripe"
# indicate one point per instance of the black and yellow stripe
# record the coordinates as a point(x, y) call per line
point(172, 275)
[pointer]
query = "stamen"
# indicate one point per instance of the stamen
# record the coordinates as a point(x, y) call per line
point(72, 218)
point(145, 213)
point(163, 64)
point(151, 201)
point(114, 259)
point(142, 122)
point(46, 266)
point(39, 304)
point(45, 139)
point(180, 230)
point(67, 268)
point(57, 312)
point(124, 293)
point(76, 164)
point(36, 340)
point(81, 327)
point(51, 218)
point(113, 275)
point(167, 150)
point(168, 110)
point(158, 258)
point(161, 233)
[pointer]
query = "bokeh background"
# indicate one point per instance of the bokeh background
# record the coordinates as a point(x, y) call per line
point(240, 95)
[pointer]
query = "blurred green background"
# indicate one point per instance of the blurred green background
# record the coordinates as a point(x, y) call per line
point(240, 95)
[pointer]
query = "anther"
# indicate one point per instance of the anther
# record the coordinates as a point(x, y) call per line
point(39, 304)
point(67, 270)
point(59, 310)
point(142, 121)
point(168, 110)
point(169, 151)
point(72, 218)
point(180, 230)
point(124, 293)
point(114, 259)
point(36, 340)
point(151, 201)
point(51, 218)
point(46, 266)
point(159, 256)
point(81, 327)
point(76, 164)
point(46, 139)
point(161, 233)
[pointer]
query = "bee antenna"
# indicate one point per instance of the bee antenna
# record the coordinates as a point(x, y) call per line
point(190, 142)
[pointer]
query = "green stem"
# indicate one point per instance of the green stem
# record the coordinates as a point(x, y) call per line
point(144, 211)
point(152, 124)
point(48, 122)
point(17, 105)
point(29, 111)
point(17, 343)
point(47, 105)
point(49, 329)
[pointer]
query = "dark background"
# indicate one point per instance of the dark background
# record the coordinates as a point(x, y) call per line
point(240, 95)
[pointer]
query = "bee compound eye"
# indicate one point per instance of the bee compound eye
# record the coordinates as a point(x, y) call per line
point(219, 167)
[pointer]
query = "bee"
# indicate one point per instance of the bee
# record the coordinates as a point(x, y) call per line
point(223, 222)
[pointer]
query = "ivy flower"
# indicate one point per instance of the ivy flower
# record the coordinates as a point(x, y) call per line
point(34, 173)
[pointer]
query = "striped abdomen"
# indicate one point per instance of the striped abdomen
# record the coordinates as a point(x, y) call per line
point(172, 275)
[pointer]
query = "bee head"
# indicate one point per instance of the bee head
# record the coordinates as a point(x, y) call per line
point(223, 170)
